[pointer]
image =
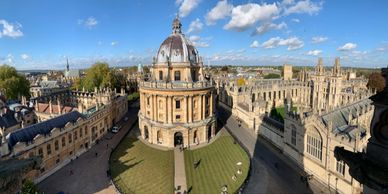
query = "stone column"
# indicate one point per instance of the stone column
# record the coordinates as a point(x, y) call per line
point(200, 107)
point(165, 110)
point(171, 108)
point(211, 108)
point(190, 109)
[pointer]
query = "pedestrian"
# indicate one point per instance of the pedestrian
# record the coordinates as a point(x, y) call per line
point(96, 154)
point(107, 146)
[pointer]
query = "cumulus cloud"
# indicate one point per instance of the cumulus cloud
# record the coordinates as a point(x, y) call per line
point(114, 43)
point(318, 39)
point(220, 11)
point(314, 52)
point(296, 20)
point(199, 41)
point(347, 47)
point(292, 43)
point(269, 26)
point(255, 44)
point(24, 56)
point(195, 26)
point(90, 22)
point(186, 6)
point(305, 6)
point(245, 16)
point(10, 30)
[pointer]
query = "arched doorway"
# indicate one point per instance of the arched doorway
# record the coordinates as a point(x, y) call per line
point(178, 138)
point(145, 132)
point(209, 132)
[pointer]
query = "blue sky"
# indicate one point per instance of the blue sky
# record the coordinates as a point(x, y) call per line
point(41, 34)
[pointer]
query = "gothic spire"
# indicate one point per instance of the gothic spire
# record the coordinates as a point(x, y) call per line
point(67, 64)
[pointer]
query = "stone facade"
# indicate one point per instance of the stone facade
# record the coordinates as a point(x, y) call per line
point(177, 101)
point(59, 139)
point(287, 72)
point(331, 110)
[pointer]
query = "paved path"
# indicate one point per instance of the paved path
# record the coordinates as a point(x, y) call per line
point(265, 176)
point(180, 173)
point(89, 171)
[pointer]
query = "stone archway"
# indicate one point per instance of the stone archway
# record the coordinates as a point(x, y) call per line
point(178, 139)
point(209, 132)
point(146, 132)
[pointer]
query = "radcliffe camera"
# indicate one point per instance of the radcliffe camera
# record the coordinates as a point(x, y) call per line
point(193, 97)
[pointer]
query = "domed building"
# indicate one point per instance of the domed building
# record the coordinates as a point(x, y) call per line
point(177, 100)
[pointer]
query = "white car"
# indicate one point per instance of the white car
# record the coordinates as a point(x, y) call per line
point(115, 129)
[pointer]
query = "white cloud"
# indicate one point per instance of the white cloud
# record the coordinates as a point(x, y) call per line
point(195, 26)
point(24, 56)
point(198, 41)
point(89, 22)
point(347, 47)
point(245, 16)
point(314, 52)
point(296, 20)
point(318, 39)
point(269, 26)
point(114, 43)
point(254, 44)
point(10, 30)
point(305, 6)
point(186, 6)
point(292, 43)
point(220, 11)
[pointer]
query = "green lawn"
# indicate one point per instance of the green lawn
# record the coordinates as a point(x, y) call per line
point(133, 96)
point(279, 112)
point(218, 163)
point(138, 168)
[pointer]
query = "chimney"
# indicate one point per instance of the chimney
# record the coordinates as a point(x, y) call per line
point(59, 106)
point(50, 107)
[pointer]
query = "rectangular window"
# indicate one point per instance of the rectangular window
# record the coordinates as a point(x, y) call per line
point(48, 149)
point(340, 167)
point(80, 132)
point(56, 145)
point(177, 104)
point(148, 101)
point(177, 75)
point(63, 141)
point(75, 135)
point(293, 137)
point(177, 117)
point(86, 130)
point(160, 75)
point(70, 138)
point(40, 152)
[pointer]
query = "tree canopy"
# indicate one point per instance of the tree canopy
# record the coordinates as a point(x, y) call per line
point(376, 82)
point(272, 76)
point(99, 75)
point(12, 84)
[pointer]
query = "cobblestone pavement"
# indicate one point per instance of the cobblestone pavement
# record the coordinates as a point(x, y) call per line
point(265, 176)
point(180, 174)
point(89, 171)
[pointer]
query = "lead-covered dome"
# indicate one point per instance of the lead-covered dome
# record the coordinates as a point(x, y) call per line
point(177, 49)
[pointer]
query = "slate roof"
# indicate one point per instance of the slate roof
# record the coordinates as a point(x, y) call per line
point(45, 108)
point(49, 84)
point(340, 118)
point(8, 119)
point(72, 73)
point(27, 134)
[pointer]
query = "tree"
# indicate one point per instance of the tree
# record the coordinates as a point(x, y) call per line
point(12, 84)
point(29, 187)
point(225, 69)
point(376, 82)
point(272, 76)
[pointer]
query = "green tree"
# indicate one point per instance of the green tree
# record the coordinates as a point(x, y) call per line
point(29, 187)
point(272, 76)
point(376, 82)
point(12, 84)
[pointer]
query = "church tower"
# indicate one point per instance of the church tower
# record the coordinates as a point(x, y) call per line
point(318, 87)
point(335, 86)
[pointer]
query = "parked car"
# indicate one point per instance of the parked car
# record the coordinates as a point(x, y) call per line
point(115, 129)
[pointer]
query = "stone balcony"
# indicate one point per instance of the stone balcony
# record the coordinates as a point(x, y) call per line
point(179, 85)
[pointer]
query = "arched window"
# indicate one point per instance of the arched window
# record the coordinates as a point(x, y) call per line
point(63, 141)
point(56, 145)
point(293, 135)
point(314, 144)
point(159, 136)
point(177, 75)
point(195, 137)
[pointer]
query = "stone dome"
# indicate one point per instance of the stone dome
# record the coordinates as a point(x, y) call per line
point(177, 49)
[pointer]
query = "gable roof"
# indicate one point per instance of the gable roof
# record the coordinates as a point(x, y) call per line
point(27, 134)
